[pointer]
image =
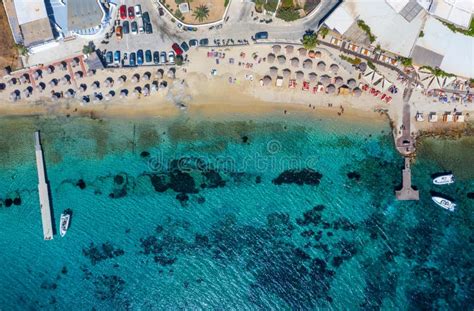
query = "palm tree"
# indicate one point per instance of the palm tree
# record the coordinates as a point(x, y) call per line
point(201, 13)
point(310, 39)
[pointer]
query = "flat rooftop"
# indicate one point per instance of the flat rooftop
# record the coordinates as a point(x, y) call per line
point(83, 14)
point(37, 32)
point(30, 10)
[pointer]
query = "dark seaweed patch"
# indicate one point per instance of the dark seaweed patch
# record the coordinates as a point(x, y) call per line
point(353, 175)
point(108, 286)
point(213, 179)
point(470, 195)
point(64, 270)
point(183, 198)
point(144, 154)
point(201, 200)
point(258, 179)
point(8, 202)
point(98, 253)
point(119, 180)
point(182, 182)
point(159, 183)
point(305, 176)
point(312, 216)
point(245, 139)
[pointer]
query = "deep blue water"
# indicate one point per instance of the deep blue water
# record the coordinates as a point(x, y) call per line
point(266, 214)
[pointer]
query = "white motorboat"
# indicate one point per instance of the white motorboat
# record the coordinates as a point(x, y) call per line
point(64, 224)
point(444, 179)
point(444, 203)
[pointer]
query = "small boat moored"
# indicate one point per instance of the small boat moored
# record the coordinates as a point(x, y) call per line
point(444, 179)
point(444, 203)
point(64, 223)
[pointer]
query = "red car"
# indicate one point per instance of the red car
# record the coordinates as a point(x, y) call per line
point(177, 49)
point(123, 12)
point(131, 13)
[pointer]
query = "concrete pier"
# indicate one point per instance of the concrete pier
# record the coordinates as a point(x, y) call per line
point(43, 190)
point(407, 192)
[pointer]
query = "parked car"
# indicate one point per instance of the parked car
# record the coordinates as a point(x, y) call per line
point(163, 57)
point(118, 32)
point(204, 42)
point(138, 10)
point(193, 42)
point(156, 57)
point(185, 46)
point(146, 17)
point(140, 57)
point(148, 28)
point(148, 56)
point(123, 11)
point(177, 49)
point(171, 57)
point(126, 27)
point(161, 11)
point(133, 59)
point(131, 12)
point(134, 27)
point(117, 57)
point(109, 57)
point(261, 35)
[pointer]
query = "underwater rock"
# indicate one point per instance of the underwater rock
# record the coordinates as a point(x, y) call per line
point(144, 154)
point(102, 252)
point(182, 182)
point(183, 198)
point(17, 201)
point(470, 195)
point(245, 139)
point(8, 202)
point(159, 183)
point(353, 175)
point(119, 180)
point(300, 177)
point(258, 179)
point(64, 270)
point(337, 261)
point(118, 193)
point(81, 184)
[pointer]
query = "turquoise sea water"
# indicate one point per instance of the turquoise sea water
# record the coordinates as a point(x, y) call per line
point(290, 214)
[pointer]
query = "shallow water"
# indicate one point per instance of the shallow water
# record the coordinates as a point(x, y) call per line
point(262, 214)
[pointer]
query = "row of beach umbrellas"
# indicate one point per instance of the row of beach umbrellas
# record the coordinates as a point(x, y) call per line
point(307, 63)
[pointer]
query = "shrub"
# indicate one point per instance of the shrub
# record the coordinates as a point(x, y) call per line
point(288, 14)
point(362, 25)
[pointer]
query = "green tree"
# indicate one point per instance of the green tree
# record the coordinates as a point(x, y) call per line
point(288, 14)
point(23, 50)
point(310, 40)
point(201, 13)
point(178, 14)
point(323, 31)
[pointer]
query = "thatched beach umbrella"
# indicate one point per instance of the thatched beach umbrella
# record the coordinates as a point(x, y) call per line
point(286, 73)
point(78, 74)
point(40, 87)
point(163, 84)
point(159, 74)
point(330, 89)
point(334, 68)
point(317, 54)
point(98, 97)
point(14, 96)
point(122, 79)
point(12, 82)
point(357, 92)
point(325, 80)
point(171, 73)
point(90, 73)
point(135, 78)
point(75, 62)
point(295, 62)
point(109, 82)
point(146, 90)
point(37, 74)
point(352, 83)
point(276, 49)
point(271, 58)
point(339, 81)
point(321, 66)
point(146, 76)
point(55, 97)
point(2, 86)
point(137, 91)
point(312, 76)
point(27, 92)
point(302, 51)
point(65, 79)
point(362, 67)
point(281, 59)
point(95, 85)
point(308, 64)
point(63, 65)
point(25, 78)
point(53, 82)
point(273, 71)
point(289, 49)
point(266, 80)
point(154, 86)
point(50, 69)
point(299, 75)
point(82, 88)
point(123, 93)
point(70, 93)
point(111, 93)
point(85, 100)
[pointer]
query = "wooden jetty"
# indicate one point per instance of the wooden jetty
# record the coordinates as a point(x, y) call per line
point(43, 190)
point(407, 192)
